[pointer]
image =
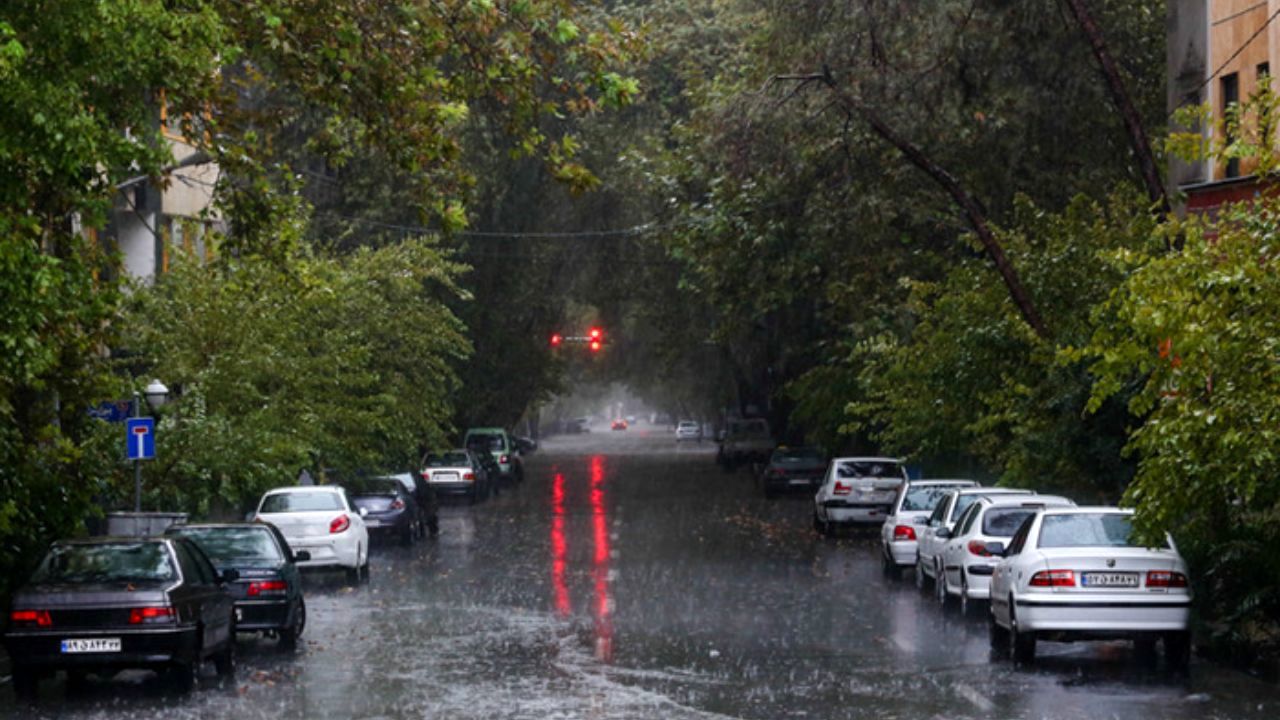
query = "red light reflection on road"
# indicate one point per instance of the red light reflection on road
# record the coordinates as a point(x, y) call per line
point(600, 527)
point(559, 548)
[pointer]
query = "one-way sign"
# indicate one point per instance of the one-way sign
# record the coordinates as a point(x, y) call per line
point(140, 438)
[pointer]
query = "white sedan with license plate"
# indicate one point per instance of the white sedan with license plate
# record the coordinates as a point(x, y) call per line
point(1075, 574)
point(322, 521)
point(857, 490)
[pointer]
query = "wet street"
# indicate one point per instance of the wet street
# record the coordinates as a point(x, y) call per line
point(630, 578)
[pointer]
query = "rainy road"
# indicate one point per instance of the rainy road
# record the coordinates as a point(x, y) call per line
point(629, 578)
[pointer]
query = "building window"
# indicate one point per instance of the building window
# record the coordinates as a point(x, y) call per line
point(1230, 96)
point(1264, 72)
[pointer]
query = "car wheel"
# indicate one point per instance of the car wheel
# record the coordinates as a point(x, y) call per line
point(1023, 644)
point(967, 604)
point(225, 661)
point(887, 564)
point(364, 569)
point(289, 636)
point(940, 587)
point(1144, 650)
point(474, 496)
point(26, 684)
point(921, 578)
point(184, 675)
point(353, 575)
point(999, 636)
point(1177, 650)
point(407, 535)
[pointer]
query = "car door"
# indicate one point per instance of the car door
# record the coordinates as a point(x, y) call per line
point(928, 544)
point(211, 604)
point(954, 549)
point(1003, 574)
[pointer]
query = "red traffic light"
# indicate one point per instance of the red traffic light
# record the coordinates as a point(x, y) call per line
point(595, 335)
point(595, 346)
point(556, 339)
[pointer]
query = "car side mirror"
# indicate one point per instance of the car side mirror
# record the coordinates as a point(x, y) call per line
point(364, 512)
point(229, 575)
point(996, 548)
point(943, 534)
point(302, 556)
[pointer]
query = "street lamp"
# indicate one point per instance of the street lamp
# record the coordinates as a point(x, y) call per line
point(157, 395)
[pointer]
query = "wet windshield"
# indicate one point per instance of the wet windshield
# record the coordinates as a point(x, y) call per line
point(106, 563)
point(301, 502)
point(1004, 522)
point(450, 459)
point(1091, 530)
point(373, 486)
point(924, 498)
point(873, 469)
point(238, 546)
point(486, 442)
point(798, 456)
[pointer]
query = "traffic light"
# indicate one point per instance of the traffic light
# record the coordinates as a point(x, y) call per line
point(595, 346)
point(596, 339)
point(556, 339)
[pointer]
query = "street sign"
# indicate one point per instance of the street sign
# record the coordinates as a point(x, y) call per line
point(140, 438)
point(113, 411)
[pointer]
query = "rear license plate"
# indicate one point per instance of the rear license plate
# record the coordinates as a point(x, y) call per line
point(445, 477)
point(799, 481)
point(91, 645)
point(1097, 579)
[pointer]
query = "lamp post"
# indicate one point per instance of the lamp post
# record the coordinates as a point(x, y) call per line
point(157, 395)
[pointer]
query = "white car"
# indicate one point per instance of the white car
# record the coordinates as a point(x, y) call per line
point(966, 562)
point(909, 516)
point(688, 430)
point(322, 521)
point(857, 490)
point(1076, 574)
point(944, 516)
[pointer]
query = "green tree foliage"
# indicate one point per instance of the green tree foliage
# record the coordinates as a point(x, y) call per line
point(341, 362)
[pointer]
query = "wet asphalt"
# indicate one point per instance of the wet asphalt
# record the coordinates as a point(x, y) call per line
point(628, 577)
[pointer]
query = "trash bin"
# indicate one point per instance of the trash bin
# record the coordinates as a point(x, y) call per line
point(145, 524)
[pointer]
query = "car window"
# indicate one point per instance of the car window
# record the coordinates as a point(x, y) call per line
point(448, 459)
point(966, 520)
point(922, 498)
point(301, 502)
point(863, 469)
point(234, 545)
point(1020, 537)
point(487, 441)
point(795, 456)
point(373, 486)
point(192, 569)
point(940, 512)
point(1004, 522)
point(1087, 530)
point(106, 563)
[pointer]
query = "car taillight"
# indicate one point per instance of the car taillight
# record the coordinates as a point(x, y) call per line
point(904, 532)
point(504, 460)
point(339, 524)
point(397, 504)
point(1166, 579)
point(1053, 578)
point(979, 548)
point(842, 489)
point(777, 472)
point(469, 476)
point(29, 618)
point(268, 587)
point(151, 615)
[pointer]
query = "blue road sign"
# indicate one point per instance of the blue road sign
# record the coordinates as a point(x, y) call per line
point(140, 438)
point(113, 411)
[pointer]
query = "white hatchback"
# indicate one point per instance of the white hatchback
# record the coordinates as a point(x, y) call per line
point(910, 516)
point(1076, 574)
point(966, 561)
point(322, 521)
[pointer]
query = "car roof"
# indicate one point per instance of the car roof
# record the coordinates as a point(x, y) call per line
point(305, 489)
point(1091, 510)
point(994, 491)
point(215, 525)
point(867, 459)
point(112, 539)
point(486, 430)
point(1033, 501)
point(937, 481)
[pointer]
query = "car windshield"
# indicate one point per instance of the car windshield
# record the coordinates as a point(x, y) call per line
point(1004, 522)
point(965, 501)
point(794, 456)
point(486, 441)
point(1087, 530)
point(405, 480)
point(689, 425)
point(924, 498)
point(121, 562)
point(869, 468)
point(373, 486)
point(234, 545)
point(449, 459)
point(301, 502)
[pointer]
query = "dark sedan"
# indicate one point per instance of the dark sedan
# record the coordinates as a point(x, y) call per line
point(104, 604)
point(388, 508)
point(800, 468)
point(268, 592)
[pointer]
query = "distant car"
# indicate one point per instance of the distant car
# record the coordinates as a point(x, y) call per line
point(502, 446)
point(949, 509)
point(526, 445)
point(457, 472)
point(746, 440)
point(909, 516)
point(1077, 573)
point(799, 468)
point(388, 508)
point(578, 426)
point(631, 419)
point(688, 430)
point(857, 490)
point(321, 520)
point(268, 592)
point(966, 561)
point(424, 497)
point(106, 604)
point(618, 424)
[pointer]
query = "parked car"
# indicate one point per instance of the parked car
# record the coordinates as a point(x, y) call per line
point(526, 445)
point(388, 508)
point(949, 509)
point(745, 441)
point(857, 490)
point(909, 516)
point(105, 604)
point(618, 424)
point(1077, 573)
point(799, 468)
point(688, 430)
point(966, 562)
point(268, 589)
point(457, 472)
point(502, 446)
point(321, 520)
point(578, 426)
point(424, 497)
